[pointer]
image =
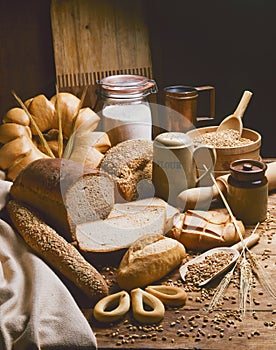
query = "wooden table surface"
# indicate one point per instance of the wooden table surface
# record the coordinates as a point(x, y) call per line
point(194, 326)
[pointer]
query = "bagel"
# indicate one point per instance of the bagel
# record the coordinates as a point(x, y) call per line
point(21, 128)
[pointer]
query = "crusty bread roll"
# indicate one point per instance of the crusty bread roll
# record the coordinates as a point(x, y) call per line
point(56, 251)
point(46, 184)
point(149, 259)
point(203, 230)
point(130, 164)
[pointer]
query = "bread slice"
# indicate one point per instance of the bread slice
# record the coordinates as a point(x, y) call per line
point(134, 207)
point(119, 232)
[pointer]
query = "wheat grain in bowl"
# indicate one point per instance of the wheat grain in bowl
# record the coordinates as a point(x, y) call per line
point(224, 138)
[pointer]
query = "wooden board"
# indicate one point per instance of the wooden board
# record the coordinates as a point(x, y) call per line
point(93, 39)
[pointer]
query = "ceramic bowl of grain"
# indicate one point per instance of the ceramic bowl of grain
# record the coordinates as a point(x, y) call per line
point(229, 146)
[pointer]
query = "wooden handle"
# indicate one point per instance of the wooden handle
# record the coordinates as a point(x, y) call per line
point(239, 112)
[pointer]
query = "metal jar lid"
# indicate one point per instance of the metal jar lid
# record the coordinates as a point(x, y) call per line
point(127, 86)
point(246, 170)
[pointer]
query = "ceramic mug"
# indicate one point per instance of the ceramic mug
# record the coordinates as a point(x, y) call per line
point(175, 164)
point(182, 101)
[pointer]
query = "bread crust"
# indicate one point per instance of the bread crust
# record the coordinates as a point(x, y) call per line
point(56, 251)
point(141, 266)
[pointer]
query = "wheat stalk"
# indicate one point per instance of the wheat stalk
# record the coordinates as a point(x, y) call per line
point(246, 280)
point(221, 289)
point(261, 274)
point(60, 134)
point(70, 143)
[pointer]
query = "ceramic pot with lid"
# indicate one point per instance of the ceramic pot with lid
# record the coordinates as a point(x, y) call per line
point(248, 190)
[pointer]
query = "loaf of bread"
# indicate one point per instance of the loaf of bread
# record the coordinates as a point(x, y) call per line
point(202, 230)
point(33, 133)
point(149, 259)
point(56, 251)
point(120, 231)
point(130, 165)
point(64, 192)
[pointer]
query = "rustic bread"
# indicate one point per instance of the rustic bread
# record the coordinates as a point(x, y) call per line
point(130, 165)
point(202, 230)
point(64, 192)
point(56, 251)
point(119, 232)
point(148, 260)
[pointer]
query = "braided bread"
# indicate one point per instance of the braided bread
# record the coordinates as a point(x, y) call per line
point(20, 143)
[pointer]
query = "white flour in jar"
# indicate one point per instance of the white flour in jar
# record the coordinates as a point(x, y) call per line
point(126, 122)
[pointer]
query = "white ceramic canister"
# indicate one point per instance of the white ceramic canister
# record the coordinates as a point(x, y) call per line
point(126, 112)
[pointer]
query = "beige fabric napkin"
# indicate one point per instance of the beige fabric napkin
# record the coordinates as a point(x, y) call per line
point(36, 309)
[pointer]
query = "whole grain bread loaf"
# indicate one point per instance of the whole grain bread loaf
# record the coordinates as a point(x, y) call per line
point(130, 165)
point(64, 192)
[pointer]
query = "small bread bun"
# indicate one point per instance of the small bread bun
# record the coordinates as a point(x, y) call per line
point(11, 131)
point(17, 115)
point(149, 259)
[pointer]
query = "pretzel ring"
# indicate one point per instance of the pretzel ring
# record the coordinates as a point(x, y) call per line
point(121, 302)
point(169, 295)
point(140, 297)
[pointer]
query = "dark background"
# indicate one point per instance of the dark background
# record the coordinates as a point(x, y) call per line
point(229, 44)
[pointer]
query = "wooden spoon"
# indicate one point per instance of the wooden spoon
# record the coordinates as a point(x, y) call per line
point(234, 121)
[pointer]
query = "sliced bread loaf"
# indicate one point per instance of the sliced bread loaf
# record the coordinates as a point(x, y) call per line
point(46, 184)
point(119, 232)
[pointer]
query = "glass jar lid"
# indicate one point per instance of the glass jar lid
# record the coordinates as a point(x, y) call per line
point(248, 170)
point(127, 86)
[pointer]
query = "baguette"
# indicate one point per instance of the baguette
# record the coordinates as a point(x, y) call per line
point(149, 259)
point(56, 251)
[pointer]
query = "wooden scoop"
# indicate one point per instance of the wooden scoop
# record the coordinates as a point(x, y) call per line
point(235, 250)
point(234, 121)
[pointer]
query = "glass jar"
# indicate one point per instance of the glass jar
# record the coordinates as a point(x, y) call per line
point(248, 190)
point(126, 113)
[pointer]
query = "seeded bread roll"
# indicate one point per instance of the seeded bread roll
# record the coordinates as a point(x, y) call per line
point(64, 192)
point(130, 165)
point(56, 251)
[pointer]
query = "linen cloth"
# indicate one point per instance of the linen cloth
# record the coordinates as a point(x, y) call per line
point(36, 309)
